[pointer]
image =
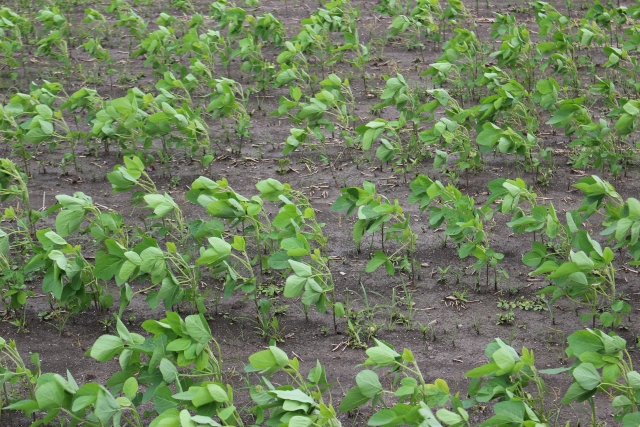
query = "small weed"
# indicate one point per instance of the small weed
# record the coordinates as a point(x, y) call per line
point(444, 275)
point(428, 331)
point(536, 304)
point(175, 182)
point(477, 325)
point(106, 325)
point(270, 290)
point(506, 318)
point(283, 166)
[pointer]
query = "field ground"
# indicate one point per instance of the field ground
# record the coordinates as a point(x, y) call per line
point(446, 314)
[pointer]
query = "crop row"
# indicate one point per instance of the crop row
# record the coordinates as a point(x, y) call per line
point(473, 110)
point(177, 376)
point(241, 241)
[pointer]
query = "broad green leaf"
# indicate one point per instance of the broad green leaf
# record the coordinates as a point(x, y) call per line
point(483, 370)
point(168, 370)
point(300, 421)
point(353, 399)
point(575, 393)
point(106, 348)
point(218, 393)
point(504, 360)
point(295, 395)
point(163, 399)
point(294, 286)
point(68, 221)
point(382, 355)
point(584, 340)
point(197, 328)
point(106, 406)
point(301, 269)
point(448, 417)
point(513, 410)
point(51, 395)
point(180, 344)
point(219, 251)
point(631, 420)
point(383, 417)
point(633, 378)
point(368, 383)
point(263, 360)
point(130, 387)
point(378, 259)
point(281, 357)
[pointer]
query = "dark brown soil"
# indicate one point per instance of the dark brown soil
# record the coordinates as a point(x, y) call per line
point(459, 335)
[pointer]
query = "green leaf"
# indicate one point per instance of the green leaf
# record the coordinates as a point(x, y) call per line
point(610, 373)
point(180, 344)
point(631, 420)
point(50, 395)
point(294, 286)
point(448, 417)
point(281, 357)
point(270, 189)
point(296, 246)
point(614, 344)
point(44, 111)
point(300, 421)
point(68, 221)
point(106, 406)
point(429, 419)
point(576, 393)
point(504, 360)
point(60, 259)
point(107, 266)
point(151, 259)
point(338, 309)
point(301, 269)
point(513, 410)
point(532, 258)
point(218, 393)
point(607, 255)
point(582, 341)
point(219, 251)
point(201, 397)
point(163, 399)
point(368, 383)
point(46, 127)
point(315, 109)
point(546, 267)
point(130, 387)
point(197, 328)
point(294, 395)
point(483, 370)
point(106, 348)
point(378, 259)
point(226, 413)
point(633, 378)
point(239, 244)
point(381, 354)
point(23, 405)
point(383, 417)
point(565, 269)
point(553, 371)
point(263, 360)
point(353, 399)
point(168, 370)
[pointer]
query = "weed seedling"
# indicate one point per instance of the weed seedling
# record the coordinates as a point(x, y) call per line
point(506, 318)
point(477, 323)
